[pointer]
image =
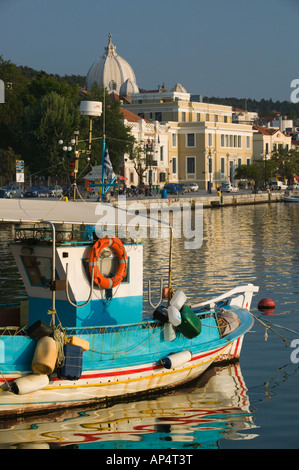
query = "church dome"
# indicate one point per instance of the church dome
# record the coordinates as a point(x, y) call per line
point(179, 88)
point(128, 88)
point(111, 70)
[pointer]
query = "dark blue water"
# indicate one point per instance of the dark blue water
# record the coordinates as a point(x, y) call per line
point(250, 405)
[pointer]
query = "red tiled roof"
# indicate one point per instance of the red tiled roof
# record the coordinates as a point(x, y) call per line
point(264, 130)
point(131, 117)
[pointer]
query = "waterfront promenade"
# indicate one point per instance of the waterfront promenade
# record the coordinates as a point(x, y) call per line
point(80, 211)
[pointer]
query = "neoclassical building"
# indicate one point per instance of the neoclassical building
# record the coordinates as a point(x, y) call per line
point(205, 146)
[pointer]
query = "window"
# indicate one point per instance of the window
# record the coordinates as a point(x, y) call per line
point(112, 85)
point(210, 140)
point(174, 140)
point(248, 142)
point(158, 116)
point(239, 141)
point(191, 165)
point(161, 153)
point(162, 177)
point(248, 161)
point(190, 140)
point(183, 117)
point(222, 168)
point(198, 117)
point(38, 269)
point(174, 165)
point(225, 118)
point(239, 161)
point(215, 118)
point(207, 117)
point(222, 140)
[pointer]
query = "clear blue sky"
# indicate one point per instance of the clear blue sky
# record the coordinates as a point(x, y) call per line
point(222, 48)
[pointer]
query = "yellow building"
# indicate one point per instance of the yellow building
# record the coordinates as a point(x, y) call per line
point(204, 144)
point(267, 140)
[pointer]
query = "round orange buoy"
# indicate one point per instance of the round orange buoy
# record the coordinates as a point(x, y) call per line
point(266, 304)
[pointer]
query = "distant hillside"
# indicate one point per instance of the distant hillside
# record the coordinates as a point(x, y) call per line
point(262, 107)
point(70, 79)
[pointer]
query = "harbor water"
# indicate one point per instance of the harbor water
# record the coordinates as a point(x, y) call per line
point(251, 404)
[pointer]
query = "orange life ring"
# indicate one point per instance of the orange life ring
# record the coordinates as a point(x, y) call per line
point(116, 245)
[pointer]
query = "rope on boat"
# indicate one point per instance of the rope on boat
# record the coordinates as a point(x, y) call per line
point(267, 327)
point(59, 337)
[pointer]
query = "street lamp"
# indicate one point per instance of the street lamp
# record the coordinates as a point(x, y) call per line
point(210, 154)
point(265, 156)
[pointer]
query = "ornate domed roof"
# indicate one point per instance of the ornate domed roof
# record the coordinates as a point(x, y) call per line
point(128, 88)
point(179, 88)
point(111, 70)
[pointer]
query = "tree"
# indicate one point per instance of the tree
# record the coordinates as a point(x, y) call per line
point(8, 166)
point(141, 159)
point(248, 172)
point(13, 108)
point(286, 163)
point(53, 118)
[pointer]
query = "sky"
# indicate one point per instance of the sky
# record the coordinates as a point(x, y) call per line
point(220, 48)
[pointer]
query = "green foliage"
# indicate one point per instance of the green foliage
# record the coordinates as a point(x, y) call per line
point(286, 163)
point(41, 109)
point(248, 172)
point(52, 118)
point(8, 166)
point(262, 107)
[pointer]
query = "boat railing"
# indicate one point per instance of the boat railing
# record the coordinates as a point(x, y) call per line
point(249, 288)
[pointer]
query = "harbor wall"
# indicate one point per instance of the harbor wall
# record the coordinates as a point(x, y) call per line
point(213, 201)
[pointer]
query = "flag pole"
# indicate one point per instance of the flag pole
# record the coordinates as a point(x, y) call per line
point(104, 144)
point(103, 169)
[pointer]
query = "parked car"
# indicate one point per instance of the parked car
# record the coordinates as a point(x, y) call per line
point(33, 191)
point(43, 192)
point(277, 185)
point(190, 187)
point(293, 187)
point(174, 188)
point(55, 191)
point(10, 191)
point(228, 188)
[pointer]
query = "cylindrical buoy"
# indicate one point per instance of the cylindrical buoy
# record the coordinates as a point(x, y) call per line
point(29, 383)
point(174, 315)
point(169, 332)
point(45, 356)
point(175, 360)
point(265, 304)
point(178, 300)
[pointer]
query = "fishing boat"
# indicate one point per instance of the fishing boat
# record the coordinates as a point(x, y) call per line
point(291, 196)
point(82, 337)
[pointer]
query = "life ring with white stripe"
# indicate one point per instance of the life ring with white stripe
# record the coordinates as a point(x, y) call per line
point(118, 248)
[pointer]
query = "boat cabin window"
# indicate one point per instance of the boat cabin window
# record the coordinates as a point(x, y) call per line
point(38, 269)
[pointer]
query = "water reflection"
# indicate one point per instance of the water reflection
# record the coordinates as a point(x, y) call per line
point(214, 407)
point(258, 244)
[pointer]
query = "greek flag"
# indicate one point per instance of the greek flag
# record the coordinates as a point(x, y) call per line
point(109, 173)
